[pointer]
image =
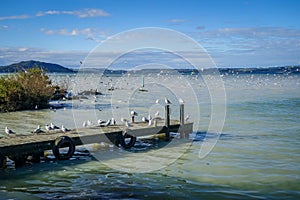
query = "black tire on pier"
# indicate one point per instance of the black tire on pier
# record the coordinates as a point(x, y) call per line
point(63, 142)
point(125, 144)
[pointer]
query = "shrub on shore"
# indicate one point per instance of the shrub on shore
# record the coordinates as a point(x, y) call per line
point(25, 90)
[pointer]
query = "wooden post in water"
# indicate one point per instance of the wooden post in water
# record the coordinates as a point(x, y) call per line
point(181, 114)
point(184, 133)
point(167, 121)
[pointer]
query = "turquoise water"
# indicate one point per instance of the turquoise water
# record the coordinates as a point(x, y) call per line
point(257, 155)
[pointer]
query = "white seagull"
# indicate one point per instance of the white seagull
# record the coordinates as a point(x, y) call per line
point(53, 126)
point(187, 117)
point(107, 123)
point(89, 123)
point(167, 101)
point(113, 121)
point(133, 113)
point(181, 101)
point(8, 131)
point(144, 119)
point(101, 122)
point(64, 129)
point(150, 120)
point(47, 127)
point(38, 130)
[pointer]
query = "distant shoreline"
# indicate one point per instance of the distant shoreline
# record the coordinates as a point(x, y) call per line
point(55, 68)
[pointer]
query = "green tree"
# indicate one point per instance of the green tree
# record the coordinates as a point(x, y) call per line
point(25, 90)
point(11, 94)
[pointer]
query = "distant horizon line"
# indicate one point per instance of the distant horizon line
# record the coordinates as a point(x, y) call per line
point(117, 68)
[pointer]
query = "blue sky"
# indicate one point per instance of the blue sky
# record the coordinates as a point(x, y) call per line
point(236, 33)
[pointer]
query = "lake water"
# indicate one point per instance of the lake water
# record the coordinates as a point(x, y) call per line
point(256, 156)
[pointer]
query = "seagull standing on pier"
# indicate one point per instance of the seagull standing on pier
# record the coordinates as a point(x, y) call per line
point(167, 101)
point(53, 126)
point(8, 131)
point(101, 122)
point(47, 127)
point(113, 121)
point(89, 123)
point(149, 120)
point(133, 113)
point(38, 130)
point(144, 119)
point(107, 123)
point(64, 129)
point(181, 101)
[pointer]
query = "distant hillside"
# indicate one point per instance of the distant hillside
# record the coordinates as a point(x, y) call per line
point(51, 67)
point(48, 67)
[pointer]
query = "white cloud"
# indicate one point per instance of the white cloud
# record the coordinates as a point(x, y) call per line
point(15, 17)
point(49, 12)
point(90, 34)
point(22, 49)
point(177, 20)
point(91, 13)
point(85, 13)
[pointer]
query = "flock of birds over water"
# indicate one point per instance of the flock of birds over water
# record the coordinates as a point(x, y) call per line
point(102, 123)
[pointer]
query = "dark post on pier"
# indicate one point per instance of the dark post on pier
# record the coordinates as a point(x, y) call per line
point(181, 114)
point(167, 121)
